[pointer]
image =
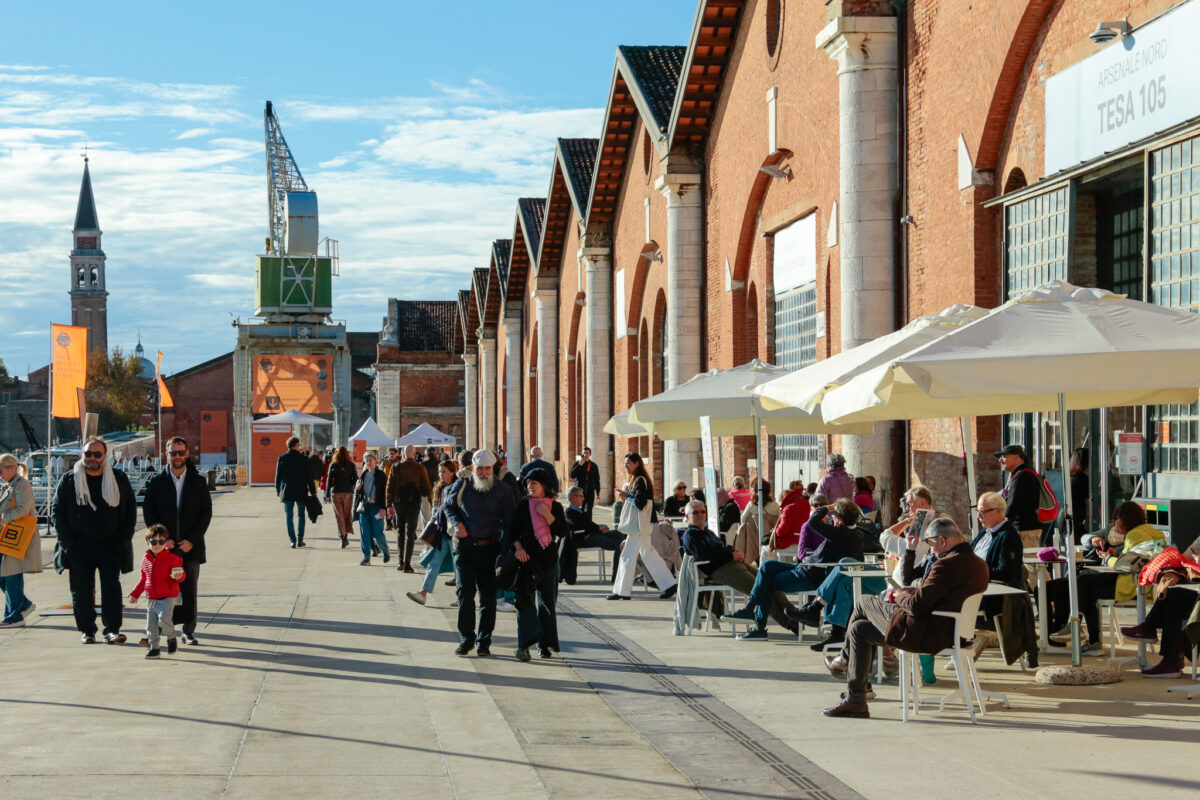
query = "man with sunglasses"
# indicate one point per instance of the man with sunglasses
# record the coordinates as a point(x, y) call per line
point(95, 513)
point(178, 498)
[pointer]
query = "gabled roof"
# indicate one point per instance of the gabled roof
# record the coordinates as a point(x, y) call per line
point(643, 87)
point(704, 66)
point(522, 258)
point(424, 325)
point(532, 212)
point(573, 162)
point(479, 278)
point(86, 218)
point(494, 295)
point(501, 253)
point(577, 158)
point(463, 306)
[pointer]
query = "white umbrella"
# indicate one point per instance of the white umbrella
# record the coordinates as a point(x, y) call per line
point(1056, 347)
point(620, 425)
point(425, 434)
point(294, 417)
point(372, 434)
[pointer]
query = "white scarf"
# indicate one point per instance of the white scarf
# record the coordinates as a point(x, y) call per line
point(109, 490)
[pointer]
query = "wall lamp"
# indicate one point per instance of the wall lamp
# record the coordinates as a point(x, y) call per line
point(778, 173)
point(1107, 31)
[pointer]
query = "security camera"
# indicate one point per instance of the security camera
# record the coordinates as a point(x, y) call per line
point(1107, 31)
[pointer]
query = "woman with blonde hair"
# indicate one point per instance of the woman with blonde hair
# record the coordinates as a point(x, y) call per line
point(16, 503)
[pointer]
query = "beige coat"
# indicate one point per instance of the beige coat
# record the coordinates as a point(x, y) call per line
point(16, 502)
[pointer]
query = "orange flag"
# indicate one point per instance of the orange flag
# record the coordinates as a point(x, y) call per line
point(68, 360)
point(164, 397)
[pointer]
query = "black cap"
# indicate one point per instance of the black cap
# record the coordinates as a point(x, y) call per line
point(1012, 450)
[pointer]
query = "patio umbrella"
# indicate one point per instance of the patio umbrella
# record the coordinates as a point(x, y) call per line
point(294, 417)
point(620, 425)
point(1057, 347)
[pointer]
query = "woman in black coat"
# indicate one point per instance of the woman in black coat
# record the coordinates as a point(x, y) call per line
point(533, 541)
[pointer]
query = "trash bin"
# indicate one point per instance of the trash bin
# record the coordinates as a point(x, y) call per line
point(212, 480)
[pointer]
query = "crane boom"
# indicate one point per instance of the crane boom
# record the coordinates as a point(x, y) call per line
point(283, 176)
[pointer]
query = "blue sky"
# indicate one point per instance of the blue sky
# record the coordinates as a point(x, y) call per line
point(417, 128)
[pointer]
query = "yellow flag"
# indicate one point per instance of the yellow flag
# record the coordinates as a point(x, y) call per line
point(164, 397)
point(68, 348)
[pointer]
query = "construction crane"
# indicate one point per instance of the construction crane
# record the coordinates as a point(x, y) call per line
point(283, 176)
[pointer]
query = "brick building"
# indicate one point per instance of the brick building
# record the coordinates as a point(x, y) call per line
point(799, 178)
point(418, 368)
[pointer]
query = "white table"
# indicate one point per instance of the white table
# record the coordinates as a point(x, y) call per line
point(1042, 568)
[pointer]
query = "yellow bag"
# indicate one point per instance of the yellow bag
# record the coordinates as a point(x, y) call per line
point(15, 536)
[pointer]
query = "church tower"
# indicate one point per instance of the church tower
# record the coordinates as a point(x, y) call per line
point(89, 299)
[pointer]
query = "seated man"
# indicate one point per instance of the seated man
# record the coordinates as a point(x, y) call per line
point(906, 619)
point(835, 595)
point(841, 540)
point(728, 513)
point(725, 565)
point(999, 544)
point(584, 533)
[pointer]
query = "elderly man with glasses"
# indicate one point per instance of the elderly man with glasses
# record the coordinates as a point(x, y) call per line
point(999, 544)
point(905, 618)
point(726, 566)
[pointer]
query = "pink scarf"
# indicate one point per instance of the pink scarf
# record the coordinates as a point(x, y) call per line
point(541, 528)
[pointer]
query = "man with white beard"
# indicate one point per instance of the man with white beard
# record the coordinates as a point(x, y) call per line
point(479, 510)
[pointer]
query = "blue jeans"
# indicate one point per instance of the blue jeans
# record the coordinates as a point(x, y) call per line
point(288, 506)
point(837, 590)
point(370, 529)
point(435, 565)
point(15, 600)
point(774, 576)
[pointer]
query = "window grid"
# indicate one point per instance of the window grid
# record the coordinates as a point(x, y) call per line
point(1036, 240)
point(796, 347)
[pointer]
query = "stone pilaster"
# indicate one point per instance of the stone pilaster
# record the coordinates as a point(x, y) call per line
point(471, 397)
point(546, 298)
point(514, 443)
point(487, 385)
point(597, 260)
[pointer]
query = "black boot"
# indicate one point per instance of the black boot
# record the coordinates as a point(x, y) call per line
point(837, 635)
point(808, 615)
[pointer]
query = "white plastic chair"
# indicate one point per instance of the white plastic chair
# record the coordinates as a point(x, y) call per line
point(691, 568)
point(601, 560)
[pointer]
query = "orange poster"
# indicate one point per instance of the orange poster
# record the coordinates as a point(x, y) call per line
point(293, 383)
point(68, 346)
point(214, 432)
point(268, 441)
point(360, 450)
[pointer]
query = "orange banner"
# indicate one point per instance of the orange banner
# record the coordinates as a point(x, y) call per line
point(268, 441)
point(164, 397)
point(360, 449)
point(68, 347)
point(289, 382)
point(214, 432)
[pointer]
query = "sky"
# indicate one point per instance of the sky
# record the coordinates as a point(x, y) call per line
point(417, 128)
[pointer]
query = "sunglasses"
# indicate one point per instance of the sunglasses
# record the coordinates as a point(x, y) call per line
point(93, 454)
point(156, 541)
point(179, 452)
point(930, 538)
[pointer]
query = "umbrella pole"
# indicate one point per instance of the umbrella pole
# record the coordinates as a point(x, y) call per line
point(758, 460)
point(1064, 438)
point(969, 451)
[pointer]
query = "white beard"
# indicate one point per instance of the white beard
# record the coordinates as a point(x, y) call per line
point(483, 485)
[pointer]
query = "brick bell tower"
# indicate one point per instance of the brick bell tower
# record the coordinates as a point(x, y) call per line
point(89, 299)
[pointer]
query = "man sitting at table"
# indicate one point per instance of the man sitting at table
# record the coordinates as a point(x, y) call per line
point(905, 619)
point(841, 540)
point(725, 565)
point(999, 544)
point(584, 533)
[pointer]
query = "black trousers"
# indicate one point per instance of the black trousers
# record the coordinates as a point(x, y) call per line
point(475, 570)
point(184, 614)
point(864, 632)
point(1092, 586)
point(1170, 612)
point(85, 563)
point(589, 501)
point(407, 517)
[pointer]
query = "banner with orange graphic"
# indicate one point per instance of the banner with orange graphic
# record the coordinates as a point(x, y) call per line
point(268, 441)
point(164, 397)
point(214, 432)
point(291, 382)
point(68, 360)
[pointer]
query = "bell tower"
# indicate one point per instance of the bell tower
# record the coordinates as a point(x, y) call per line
point(89, 298)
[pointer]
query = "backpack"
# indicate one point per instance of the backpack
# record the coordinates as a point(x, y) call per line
point(1047, 501)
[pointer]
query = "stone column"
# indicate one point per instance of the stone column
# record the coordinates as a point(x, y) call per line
point(685, 267)
point(598, 314)
point(514, 443)
point(470, 397)
point(868, 96)
point(547, 367)
point(487, 385)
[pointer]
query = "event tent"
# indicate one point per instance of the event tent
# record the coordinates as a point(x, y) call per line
point(371, 434)
point(426, 434)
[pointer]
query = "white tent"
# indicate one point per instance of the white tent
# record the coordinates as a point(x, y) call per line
point(372, 434)
point(426, 434)
point(294, 417)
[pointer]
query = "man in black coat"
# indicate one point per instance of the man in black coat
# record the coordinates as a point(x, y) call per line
point(293, 486)
point(95, 513)
point(178, 498)
point(584, 533)
point(537, 462)
point(586, 475)
point(1022, 492)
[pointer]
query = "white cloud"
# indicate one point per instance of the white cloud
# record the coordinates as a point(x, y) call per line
point(195, 133)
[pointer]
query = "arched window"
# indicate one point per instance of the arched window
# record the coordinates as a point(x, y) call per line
point(82, 278)
point(95, 277)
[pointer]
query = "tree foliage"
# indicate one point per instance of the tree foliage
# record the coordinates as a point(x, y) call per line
point(4, 376)
point(114, 390)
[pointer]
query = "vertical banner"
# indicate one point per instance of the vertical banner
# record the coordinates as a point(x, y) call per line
point(268, 441)
point(164, 397)
point(710, 473)
point(214, 432)
point(68, 361)
point(360, 450)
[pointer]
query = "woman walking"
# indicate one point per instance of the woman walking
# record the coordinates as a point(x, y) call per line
point(369, 501)
point(539, 520)
point(16, 503)
point(339, 483)
point(636, 512)
point(440, 547)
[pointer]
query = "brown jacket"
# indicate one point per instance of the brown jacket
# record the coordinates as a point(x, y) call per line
point(953, 577)
point(408, 472)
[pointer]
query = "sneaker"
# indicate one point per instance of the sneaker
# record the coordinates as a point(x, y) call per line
point(27, 612)
point(545, 652)
point(522, 654)
point(366, 562)
point(1163, 669)
point(1140, 633)
point(416, 597)
point(408, 569)
point(808, 616)
point(144, 642)
point(745, 614)
point(449, 582)
point(292, 545)
point(484, 650)
point(16, 623)
point(114, 638)
point(87, 638)
point(618, 597)
point(836, 636)
point(754, 633)
point(154, 653)
point(464, 649)
point(172, 645)
point(190, 640)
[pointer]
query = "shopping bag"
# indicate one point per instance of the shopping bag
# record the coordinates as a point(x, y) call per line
point(15, 536)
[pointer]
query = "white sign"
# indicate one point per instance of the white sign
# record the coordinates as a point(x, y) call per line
point(1132, 89)
point(795, 254)
point(710, 474)
point(1129, 454)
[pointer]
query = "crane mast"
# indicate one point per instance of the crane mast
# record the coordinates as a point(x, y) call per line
point(283, 176)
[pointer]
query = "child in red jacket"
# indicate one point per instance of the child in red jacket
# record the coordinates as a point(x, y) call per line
point(162, 571)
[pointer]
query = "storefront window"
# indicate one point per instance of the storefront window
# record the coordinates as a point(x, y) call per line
point(796, 347)
point(1036, 240)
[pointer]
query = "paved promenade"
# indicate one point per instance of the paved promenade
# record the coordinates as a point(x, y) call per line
point(316, 677)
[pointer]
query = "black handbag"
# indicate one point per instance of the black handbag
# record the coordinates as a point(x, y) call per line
point(435, 529)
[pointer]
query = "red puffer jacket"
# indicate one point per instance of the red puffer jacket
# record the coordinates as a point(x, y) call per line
point(156, 576)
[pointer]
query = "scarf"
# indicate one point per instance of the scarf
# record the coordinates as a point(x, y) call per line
point(109, 491)
point(541, 528)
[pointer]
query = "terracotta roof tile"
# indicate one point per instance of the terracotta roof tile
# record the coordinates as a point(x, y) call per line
point(425, 325)
point(579, 157)
point(656, 70)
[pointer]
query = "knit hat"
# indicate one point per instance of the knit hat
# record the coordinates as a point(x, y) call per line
point(484, 458)
point(1048, 554)
point(541, 476)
